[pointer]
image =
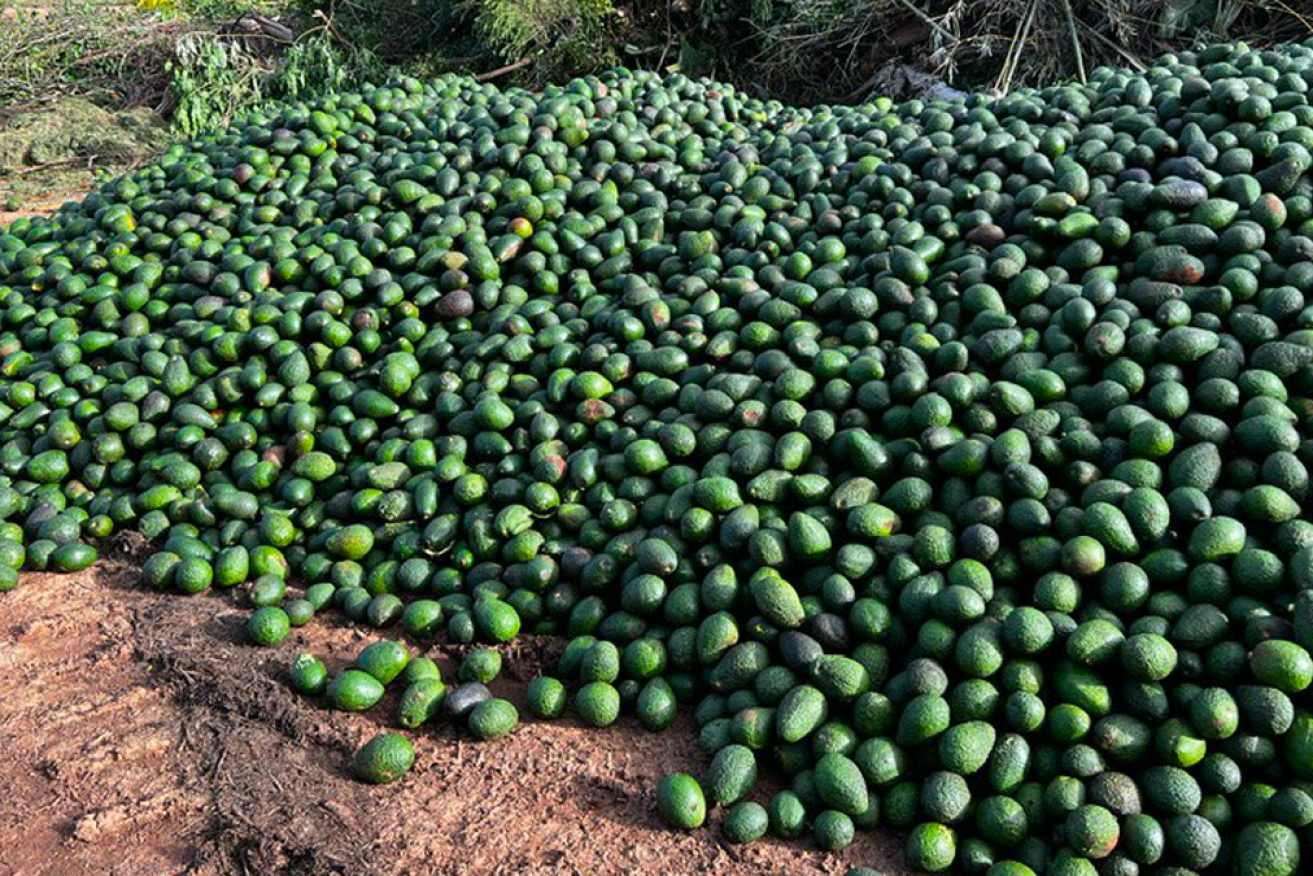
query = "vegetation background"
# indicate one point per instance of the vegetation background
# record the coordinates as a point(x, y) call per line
point(90, 87)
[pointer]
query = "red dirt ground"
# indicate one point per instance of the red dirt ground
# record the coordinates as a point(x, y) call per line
point(43, 206)
point(141, 736)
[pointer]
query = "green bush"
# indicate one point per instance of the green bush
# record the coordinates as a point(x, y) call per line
point(317, 65)
point(560, 37)
point(210, 81)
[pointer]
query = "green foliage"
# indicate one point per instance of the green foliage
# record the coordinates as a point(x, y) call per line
point(316, 65)
point(413, 33)
point(714, 14)
point(220, 10)
point(564, 37)
point(210, 81)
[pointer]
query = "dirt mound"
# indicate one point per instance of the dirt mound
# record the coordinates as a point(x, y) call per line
point(142, 737)
point(50, 152)
point(72, 127)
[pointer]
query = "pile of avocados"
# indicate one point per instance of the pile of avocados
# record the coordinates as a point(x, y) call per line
point(949, 460)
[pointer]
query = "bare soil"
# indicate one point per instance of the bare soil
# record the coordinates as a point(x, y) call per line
point(140, 735)
point(52, 194)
